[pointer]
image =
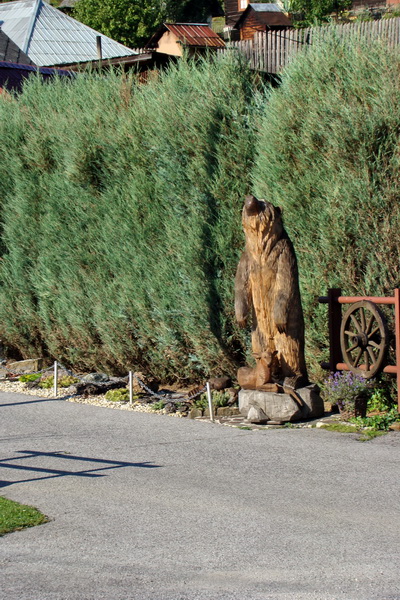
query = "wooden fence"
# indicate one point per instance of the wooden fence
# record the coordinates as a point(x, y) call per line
point(272, 51)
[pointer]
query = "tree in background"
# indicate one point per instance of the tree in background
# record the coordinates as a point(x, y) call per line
point(130, 23)
point(312, 12)
point(133, 22)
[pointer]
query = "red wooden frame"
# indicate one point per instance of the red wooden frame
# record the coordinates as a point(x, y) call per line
point(334, 299)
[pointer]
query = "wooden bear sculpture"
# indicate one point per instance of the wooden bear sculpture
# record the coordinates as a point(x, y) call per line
point(266, 286)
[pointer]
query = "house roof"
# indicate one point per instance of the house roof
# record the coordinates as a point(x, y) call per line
point(68, 3)
point(266, 14)
point(10, 52)
point(266, 7)
point(12, 75)
point(50, 37)
point(197, 35)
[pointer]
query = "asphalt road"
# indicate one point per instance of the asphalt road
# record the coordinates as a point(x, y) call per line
point(151, 507)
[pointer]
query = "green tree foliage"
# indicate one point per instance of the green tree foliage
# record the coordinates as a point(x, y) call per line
point(126, 21)
point(328, 153)
point(133, 22)
point(315, 12)
point(121, 216)
point(192, 11)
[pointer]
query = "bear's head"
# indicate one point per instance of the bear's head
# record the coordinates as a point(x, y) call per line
point(262, 221)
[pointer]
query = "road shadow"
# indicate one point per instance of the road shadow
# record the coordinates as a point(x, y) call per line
point(51, 473)
point(61, 399)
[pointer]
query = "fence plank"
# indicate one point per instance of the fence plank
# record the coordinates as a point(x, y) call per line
point(272, 51)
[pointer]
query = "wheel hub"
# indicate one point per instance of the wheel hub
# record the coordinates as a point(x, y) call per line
point(361, 340)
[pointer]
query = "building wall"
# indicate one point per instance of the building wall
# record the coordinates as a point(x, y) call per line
point(168, 44)
point(249, 27)
point(233, 12)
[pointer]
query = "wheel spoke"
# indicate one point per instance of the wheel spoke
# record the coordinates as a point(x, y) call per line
point(362, 317)
point(353, 347)
point(349, 333)
point(372, 355)
point(357, 359)
point(356, 323)
point(369, 325)
point(366, 358)
point(373, 332)
point(374, 344)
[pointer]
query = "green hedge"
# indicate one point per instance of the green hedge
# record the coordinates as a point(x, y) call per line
point(121, 218)
point(121, 204)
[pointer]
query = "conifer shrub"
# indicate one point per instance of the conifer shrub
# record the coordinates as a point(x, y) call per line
point(120, 218)
point(328, 153)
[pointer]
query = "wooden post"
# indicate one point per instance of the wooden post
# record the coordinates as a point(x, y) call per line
point(397, 335)
point(99, 49)
point(334, 322)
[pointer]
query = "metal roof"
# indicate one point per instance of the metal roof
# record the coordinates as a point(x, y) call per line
point(68, 3)
point(12, 76)
point(50, 37)
point(10, 52)
point(191, 34)
point(266, 7)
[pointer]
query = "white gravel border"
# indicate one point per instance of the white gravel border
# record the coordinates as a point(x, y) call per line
point(64, 393)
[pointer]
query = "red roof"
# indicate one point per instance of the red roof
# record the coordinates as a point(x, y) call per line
point(191, 34)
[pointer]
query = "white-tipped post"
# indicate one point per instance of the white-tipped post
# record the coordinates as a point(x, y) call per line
point(210, 404)
point(55, 378)
point(130, 388)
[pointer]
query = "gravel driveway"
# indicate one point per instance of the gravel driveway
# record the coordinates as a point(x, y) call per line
point(150, 507)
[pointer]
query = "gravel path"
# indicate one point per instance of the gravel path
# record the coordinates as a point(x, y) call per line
point(144, 507)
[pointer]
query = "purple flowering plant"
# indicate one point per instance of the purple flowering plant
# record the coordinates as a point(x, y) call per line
point(345, 388)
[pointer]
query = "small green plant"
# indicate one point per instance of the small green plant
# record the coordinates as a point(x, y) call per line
point(14, 516)
point(63, 382)
point(118, 395)
point(365, 434)
point(379, 422)
point(47, 383)
point(160, 405)
point(378, 401)
point(369, 434)
point(340, 428)
point(201, 402)
point(29, 377)
point(219, 399)
point(66, 381)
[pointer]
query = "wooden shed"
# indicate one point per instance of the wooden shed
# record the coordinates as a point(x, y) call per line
point(171, 38)
point(260, 18)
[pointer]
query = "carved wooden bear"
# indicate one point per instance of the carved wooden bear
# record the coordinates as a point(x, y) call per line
point(266, 286)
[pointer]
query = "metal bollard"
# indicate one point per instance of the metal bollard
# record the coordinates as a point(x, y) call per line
point(210, 404)
point(55, 378)
point(130, 388)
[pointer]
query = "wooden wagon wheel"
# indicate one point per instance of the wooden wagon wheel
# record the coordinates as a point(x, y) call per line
point(364, 338)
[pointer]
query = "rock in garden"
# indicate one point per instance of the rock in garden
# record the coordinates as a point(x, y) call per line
point(220, 383)
point(95, 378)
point(93, 389)
point(29, 365)
point(305, 403)
point(395, 426)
